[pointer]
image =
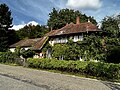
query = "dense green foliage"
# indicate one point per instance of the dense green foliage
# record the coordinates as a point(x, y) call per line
point(104, 70)
point(8, 57)
point(91, 48)
point(12, 37)
point(27, 53)
point(5, 23)
point(112, 41)
point(31, 31)
point(110, 25)
point(59, 51)
point(60, 18)
point(113, 54)
point(112, 50)
point(94, 47)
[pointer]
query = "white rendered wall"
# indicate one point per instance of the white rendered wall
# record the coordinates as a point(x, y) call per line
point(12, 49)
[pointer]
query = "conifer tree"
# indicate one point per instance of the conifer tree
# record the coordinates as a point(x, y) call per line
point(5, 24)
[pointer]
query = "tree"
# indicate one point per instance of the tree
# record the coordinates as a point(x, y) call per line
point(110, 26)
point(12, 37)
point(60, 18)
point(31, 31)
point(5, 24)
point(113, 55)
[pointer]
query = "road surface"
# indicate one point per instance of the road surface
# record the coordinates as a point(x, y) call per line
point(7, 83)
point(31, 79)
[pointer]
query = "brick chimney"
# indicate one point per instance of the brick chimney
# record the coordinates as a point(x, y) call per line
point(78, 20)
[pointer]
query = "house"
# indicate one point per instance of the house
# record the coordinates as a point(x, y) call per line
point(70, 31)
point(34, 44)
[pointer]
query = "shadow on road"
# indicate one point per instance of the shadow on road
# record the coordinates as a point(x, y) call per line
point(111, 85)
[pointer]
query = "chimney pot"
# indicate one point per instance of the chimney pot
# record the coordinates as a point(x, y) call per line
point(78, 20)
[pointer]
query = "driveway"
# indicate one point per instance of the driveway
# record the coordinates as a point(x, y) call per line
point(52, 81)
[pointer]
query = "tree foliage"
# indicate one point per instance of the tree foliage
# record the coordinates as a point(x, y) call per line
point(5, 24)
point(12, 37)
point(8, 57)
point(60, 18)
point(113, 54)
point(110, 26)
point(59, 51)
point(27, 53)
point(31, 31)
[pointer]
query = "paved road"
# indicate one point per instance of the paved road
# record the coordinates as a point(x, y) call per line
point(7, 83)
point(44, 80)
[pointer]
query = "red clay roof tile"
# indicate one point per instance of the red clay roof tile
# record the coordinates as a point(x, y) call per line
point(74, 28)
point(25, 43)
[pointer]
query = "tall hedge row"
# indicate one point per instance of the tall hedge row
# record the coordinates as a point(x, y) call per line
point(9, 57)
point(99, 69)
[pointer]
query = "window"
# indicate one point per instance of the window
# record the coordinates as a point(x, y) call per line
point(75, 38)
point(81, 38)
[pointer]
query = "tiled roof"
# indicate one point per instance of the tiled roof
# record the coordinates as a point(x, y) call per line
point(25, 43)
point(33, 43)
point(74, 28)
point(40, 43)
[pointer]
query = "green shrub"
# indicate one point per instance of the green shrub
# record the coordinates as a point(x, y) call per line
point(99, 69)
point(8, 57)
point(113, 54)
point(27, 53)
point(114, 71)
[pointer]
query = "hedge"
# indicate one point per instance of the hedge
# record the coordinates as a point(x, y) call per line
point(98, 69)
point(9, 57)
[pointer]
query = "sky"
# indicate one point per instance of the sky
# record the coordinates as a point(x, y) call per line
point(37, 11)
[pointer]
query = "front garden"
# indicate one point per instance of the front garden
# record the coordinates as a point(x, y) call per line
point(99, 70)
point(108, 71)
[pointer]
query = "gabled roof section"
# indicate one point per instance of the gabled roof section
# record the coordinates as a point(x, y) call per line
point(74, 28)
point(25, 43)
point(35, 44)
point(40, 43)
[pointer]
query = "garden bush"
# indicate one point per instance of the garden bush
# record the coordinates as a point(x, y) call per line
point(113, 54)
point(8, 57)
point(27, 53)
point(104, 70)
point(98, 69)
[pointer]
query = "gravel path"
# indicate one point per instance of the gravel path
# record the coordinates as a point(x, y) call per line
point(54, 81)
